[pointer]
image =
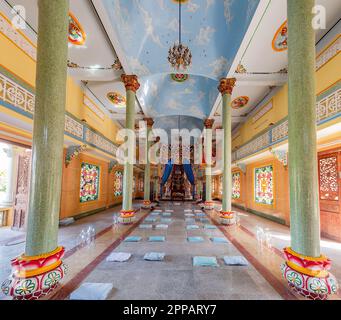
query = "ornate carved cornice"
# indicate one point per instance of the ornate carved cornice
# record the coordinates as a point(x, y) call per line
point(130, 82)
point(208, 123)
point(226, 85)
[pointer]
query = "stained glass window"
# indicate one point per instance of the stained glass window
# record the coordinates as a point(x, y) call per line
point(264, 185)
point(118, 183)
point(236, 185)
point(89, 188)
point(329, 187)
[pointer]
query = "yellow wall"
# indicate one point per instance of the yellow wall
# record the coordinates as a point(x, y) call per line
point(23, 66)
point(326, 76)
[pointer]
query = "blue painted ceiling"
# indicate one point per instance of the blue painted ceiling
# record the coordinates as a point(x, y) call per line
point(213, 29)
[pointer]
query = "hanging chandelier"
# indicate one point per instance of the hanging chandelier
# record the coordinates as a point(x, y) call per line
point(179, 55)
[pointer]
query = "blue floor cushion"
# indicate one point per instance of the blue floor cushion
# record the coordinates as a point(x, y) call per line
point(118, 257)
point(157, 239)
point(166, 220)
point(188, 210)
point(166, 214)
point(133, 239)
point(189, 215)
point(169, 210)
point(192, 227)
point(154, 213)
point(154, 256)
point(235, 261)
point(150, 219)
point(200, 214)
point(210, 227)
point(146, 226)
point(195, 239)
point(92, 291)
point(204, 220)
point(190, 220)
point(157, 210)
point(219, 240)
point(199, 261)
point(161, 226)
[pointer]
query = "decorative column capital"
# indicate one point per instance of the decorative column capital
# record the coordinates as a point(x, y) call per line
point(130, 82)
point(149, 121)
point(208, 123)
point(226, 85)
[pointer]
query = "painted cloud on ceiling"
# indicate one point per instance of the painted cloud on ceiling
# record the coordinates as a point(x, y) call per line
point(213, 30)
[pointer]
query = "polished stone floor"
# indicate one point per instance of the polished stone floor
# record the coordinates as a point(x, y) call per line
point(175, 277)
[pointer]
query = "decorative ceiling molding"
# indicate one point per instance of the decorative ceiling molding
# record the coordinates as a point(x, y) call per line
point(77, 35)
point(240, 102)
point(93, 107)
point(17, 37)
point(280, 40)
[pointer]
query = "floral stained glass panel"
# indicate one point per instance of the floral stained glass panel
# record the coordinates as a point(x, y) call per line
point(118, 183)
point(264, 185)
point(329, 186)
point(89, 188)
point(236, 185)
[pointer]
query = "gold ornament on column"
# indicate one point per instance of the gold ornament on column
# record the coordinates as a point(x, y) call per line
point(226, 85)
point(130, 82)
point(209, 123)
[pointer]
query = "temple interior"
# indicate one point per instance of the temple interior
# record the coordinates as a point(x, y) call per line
point(170, 150)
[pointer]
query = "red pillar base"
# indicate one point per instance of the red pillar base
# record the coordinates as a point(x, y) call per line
point(309, 276)
point(227, 218)
point(35, 277)
point(209, 205)
point(146, 204)
point(127, 217)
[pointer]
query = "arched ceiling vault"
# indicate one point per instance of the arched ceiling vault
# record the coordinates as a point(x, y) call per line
point(144, 30)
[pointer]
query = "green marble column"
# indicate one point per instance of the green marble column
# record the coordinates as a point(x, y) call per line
point(132, 85)
point(208, 172)
point(146, 201)
point(304, 202)
point(225, 88)
point(48, 128)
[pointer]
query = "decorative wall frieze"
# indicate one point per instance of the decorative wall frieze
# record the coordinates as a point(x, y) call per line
point(99, 141)
point(74, 127)
point(329, 53)
point(253, 146)
point(72, 152)
point(328, 107)
point(15, 97)
point(280, 132)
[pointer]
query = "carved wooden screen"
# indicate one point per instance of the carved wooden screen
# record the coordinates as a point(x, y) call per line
point(328, 170)
point(22, 191)
point(329, 181)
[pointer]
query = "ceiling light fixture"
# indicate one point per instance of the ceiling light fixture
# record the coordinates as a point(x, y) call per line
point(179, 55)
